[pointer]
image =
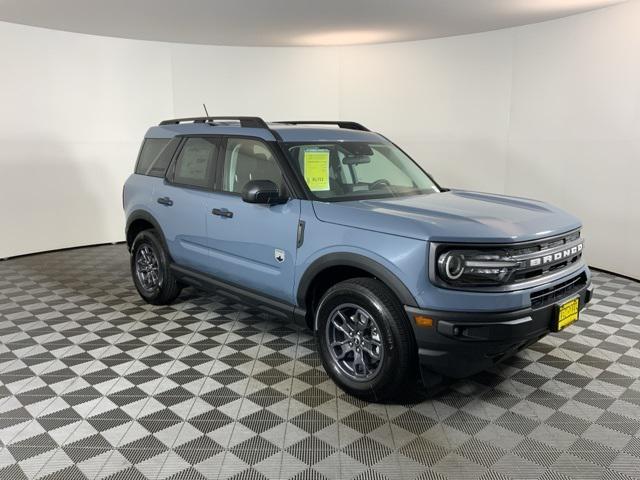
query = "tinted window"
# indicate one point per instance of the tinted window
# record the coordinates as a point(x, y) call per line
point(151, 148)
point(196, 162)
point(159, 166)
point(246, 160)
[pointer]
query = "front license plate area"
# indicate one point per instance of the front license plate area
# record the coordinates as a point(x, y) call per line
point(566, 314)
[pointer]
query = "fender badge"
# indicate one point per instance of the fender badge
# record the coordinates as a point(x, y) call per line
point(279, 255)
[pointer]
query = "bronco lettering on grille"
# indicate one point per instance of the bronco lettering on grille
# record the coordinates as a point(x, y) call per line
point(556, 257)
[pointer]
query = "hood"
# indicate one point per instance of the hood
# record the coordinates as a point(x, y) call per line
point(453, 216)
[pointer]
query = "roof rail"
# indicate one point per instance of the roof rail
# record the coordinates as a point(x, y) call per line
point(248, 122)
point(339, 123)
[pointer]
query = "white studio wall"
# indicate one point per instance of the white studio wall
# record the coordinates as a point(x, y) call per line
point(74, 108)
point(574, 133)
point(548, 111)
point(275, 83)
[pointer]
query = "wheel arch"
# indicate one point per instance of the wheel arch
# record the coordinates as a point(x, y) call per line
point(140, 220)
point(360, 265)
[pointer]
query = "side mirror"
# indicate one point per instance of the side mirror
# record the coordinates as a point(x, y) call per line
point(262, 191)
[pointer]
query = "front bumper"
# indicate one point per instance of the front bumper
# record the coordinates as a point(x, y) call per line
point(460, 344)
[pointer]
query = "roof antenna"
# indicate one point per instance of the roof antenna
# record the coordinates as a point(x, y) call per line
point(205, 110)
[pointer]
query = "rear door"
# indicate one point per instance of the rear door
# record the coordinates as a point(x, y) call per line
point(252, 246)
point(181, 201)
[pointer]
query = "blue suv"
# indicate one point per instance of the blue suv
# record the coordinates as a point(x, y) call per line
point(336, 228)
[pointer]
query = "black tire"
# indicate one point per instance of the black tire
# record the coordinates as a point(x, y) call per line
point(394, 375)
point(166, 288)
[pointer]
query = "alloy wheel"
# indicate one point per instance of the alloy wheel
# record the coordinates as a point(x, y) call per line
point(147, 268)
point(354, 341)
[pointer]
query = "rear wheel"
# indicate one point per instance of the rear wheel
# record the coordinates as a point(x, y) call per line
point(366, 343)
point(150, 270)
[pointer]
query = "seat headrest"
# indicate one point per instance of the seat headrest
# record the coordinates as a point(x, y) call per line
point(246, 150)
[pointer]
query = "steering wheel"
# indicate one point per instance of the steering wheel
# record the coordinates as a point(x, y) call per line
point(382, 182)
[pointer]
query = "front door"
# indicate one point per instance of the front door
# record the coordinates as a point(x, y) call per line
point(252, 246)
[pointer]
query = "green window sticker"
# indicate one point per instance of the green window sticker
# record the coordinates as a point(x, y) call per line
point(316, 170)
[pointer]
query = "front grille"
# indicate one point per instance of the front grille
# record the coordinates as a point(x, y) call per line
point(550, 295)
point(546, 244)
point(545, 257)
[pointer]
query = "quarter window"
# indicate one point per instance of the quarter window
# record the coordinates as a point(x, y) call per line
point(247, 160)
point(151, 148)
point(195, 164)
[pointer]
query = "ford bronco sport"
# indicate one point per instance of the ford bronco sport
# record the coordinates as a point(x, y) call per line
point(336, 228)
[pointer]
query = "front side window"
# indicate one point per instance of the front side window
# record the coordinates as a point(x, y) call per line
point(196, 162)
point(335, 171)
point(247, 160)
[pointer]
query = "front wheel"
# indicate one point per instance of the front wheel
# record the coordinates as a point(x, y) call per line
point(366, 342)
point(150, 270)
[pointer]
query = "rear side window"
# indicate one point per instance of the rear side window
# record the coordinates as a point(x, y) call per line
point(194, 167)
point(151, 148)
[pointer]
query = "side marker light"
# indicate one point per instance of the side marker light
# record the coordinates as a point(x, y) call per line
point(422, 321)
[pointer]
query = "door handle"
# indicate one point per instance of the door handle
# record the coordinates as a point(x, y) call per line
point(222, 212)
point(165, 201)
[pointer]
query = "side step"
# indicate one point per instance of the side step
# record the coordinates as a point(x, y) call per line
point(240, 294)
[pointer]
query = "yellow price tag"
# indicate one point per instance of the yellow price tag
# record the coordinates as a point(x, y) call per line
point(316, 170)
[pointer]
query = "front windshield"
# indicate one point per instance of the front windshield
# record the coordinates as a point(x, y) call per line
point(340, 171)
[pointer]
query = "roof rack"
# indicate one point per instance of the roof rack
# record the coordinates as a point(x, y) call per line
point(339, 123)
point(248, 122)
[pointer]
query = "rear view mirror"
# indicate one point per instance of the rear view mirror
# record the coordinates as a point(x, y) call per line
point(356, 159)
point(263, 192)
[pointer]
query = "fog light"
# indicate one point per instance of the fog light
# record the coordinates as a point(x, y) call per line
point(422, 321)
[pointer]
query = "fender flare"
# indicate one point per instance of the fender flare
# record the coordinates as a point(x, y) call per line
point(358, 261)
point(144, 215)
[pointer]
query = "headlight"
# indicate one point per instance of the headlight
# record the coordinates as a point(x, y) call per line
point(466, 267)
point(451, 265)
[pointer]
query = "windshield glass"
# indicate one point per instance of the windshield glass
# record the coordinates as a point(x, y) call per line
point(340, 171)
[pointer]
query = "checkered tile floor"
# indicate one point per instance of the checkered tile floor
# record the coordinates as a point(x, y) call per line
point(96, 384)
